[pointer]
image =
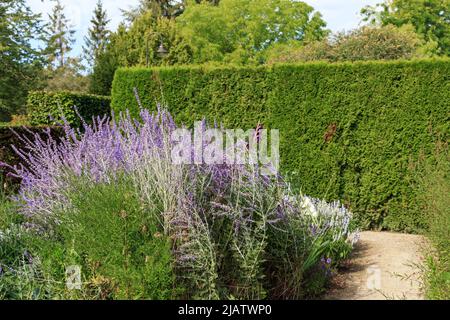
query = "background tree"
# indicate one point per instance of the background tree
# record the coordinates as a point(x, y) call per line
point(71, 77)
point(60, 36)
point(238, 30)
point(161, 8)
point(95, 42)
point(137, 45)
point(103, 72)
point(430, 18)
point(158, 8)
point(229, 31)
point(20, 61)
point(63, 71)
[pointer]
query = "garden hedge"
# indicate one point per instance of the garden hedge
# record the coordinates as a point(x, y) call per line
point(350, 131)
point(47, 108)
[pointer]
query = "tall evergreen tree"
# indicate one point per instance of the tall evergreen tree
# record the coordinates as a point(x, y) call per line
point(162, 8)
point(61, 37)
point(158, 8)
point(95, 42)
point(20, 61)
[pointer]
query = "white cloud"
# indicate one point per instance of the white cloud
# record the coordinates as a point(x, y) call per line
point(341, 14)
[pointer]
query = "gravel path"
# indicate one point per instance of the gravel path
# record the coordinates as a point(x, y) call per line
point(384, 266)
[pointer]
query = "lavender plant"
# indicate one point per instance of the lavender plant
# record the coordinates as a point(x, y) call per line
point(234, 233)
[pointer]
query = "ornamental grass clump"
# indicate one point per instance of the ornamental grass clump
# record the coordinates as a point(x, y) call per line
point(231, 232)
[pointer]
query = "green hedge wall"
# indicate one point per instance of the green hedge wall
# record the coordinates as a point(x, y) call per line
point(353, 132)
point(41, 105)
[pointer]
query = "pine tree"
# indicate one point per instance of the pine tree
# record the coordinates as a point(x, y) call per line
point(61, 37)
point(97, 38)
point(20, 61)
point(161, 8)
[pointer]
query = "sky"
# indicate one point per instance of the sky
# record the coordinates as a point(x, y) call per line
point(339, 14)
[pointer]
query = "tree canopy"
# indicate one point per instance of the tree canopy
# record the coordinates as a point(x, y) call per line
point(238, 30)
point(137, 45)
point(430, 18)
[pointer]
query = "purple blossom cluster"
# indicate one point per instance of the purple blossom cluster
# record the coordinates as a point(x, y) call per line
point(99, 151)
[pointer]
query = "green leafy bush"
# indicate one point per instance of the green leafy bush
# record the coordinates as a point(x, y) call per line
point(348, 131)
point(48, 108)
point(363, 44)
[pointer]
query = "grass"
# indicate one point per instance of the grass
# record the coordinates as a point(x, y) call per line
point(435, 193)
point(5, 209)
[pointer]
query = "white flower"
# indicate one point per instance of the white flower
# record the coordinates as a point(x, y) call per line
point(309, 207)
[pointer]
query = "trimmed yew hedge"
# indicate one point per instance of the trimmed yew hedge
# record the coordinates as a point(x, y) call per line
point(48, 108)
point(351, 131)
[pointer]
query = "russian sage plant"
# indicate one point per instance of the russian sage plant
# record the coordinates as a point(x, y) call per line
point(235, 234)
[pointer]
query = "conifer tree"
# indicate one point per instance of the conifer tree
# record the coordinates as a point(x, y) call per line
point(60, 40)
point(98, 34)
point(20, 61)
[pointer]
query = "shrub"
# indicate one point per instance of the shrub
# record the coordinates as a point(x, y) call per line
point(48, 108)
point(22, 276)
point(19, 120)
point(115, 196)
point(366, 43)
point(348, 131)
point(294, 52)
point(305, 245)
point(378, 43)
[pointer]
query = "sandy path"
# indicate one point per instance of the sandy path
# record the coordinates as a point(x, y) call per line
point(384, 266)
